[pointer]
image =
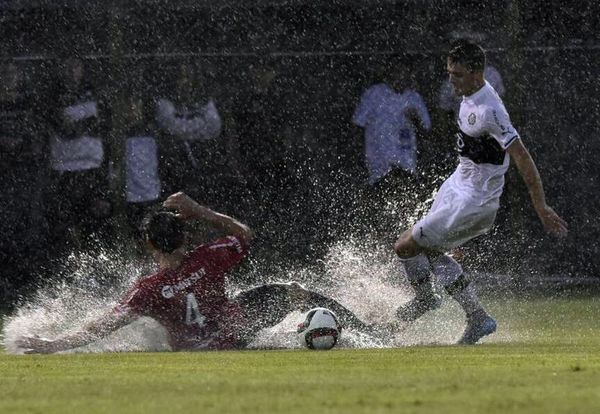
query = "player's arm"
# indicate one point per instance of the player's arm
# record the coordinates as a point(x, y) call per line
point(551, 221)
point(92, 332)
point(187, 209)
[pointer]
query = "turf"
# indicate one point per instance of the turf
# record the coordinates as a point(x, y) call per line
point(551, 366)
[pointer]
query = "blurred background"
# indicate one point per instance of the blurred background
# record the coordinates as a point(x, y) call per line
point(249, 106)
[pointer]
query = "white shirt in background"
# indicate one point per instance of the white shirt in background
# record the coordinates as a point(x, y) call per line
point(390, 136)
point(81, 153)
point(142, 179)
point(198, 123)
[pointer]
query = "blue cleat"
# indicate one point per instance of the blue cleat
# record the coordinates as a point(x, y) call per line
point(479, 324)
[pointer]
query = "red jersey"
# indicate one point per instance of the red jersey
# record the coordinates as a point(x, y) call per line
point(190, 301)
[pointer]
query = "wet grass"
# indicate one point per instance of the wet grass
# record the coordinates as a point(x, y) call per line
point(544, 359)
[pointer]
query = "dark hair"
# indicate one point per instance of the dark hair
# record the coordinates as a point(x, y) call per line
point(468, 54)
point(164, 230)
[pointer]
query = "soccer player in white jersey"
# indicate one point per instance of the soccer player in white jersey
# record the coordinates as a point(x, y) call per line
point(467, 202)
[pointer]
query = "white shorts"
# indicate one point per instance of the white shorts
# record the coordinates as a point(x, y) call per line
point(454, 218)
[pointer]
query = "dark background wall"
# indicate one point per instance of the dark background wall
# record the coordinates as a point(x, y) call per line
point(324, 56)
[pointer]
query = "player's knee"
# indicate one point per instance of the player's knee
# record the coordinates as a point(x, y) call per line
point(405, 247)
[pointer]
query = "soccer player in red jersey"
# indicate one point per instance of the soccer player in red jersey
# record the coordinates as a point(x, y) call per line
point(187, 294)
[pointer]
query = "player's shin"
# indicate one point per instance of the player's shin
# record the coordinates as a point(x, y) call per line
point(459, 286)
point(450, 274)
point(418, 273)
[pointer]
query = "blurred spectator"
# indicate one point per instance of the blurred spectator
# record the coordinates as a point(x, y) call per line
point(142, 181)
point(77, 145)
point(192, 125)
point(259, 124)
point(23, 230)
point(79, 205)
point(390, 134)
point(13, 104)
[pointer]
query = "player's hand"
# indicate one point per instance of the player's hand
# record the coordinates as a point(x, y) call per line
point(183, 204)
point(552, 222)
point(36, 345)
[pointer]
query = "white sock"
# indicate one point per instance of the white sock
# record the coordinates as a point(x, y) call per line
point(467, 299)
point(448, 272)
point(417, 268)
point(418, 273)
point(446, 269)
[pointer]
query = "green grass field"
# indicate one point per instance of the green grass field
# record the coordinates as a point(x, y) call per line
point(551, 364)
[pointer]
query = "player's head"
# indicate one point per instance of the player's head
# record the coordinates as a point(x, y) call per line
point(465, 64)
point(468, 54)
point(164, 231)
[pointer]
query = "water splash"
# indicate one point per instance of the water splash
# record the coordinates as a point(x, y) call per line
point(87, 290)
point(362, 275)
point(371, 283)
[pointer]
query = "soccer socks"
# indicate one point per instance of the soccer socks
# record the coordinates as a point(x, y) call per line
point(466, 296)
point(450, 274)
point(418, 273)
point(446, 269)
point(417, 269)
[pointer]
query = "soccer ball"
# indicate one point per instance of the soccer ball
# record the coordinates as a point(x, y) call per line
point(320, 329)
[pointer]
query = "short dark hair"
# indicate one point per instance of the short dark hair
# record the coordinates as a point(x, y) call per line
point(468, 54)
point(164, 230)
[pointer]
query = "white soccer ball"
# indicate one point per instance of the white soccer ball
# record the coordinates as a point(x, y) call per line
point(319, 330)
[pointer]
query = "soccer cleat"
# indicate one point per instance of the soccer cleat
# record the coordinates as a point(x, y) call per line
point(417, 306)
point(479, 324)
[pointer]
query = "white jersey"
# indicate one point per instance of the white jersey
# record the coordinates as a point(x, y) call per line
point(466, 204)
point(485, 134)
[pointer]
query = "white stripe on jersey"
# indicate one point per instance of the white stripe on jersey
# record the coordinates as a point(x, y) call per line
point(233, 243)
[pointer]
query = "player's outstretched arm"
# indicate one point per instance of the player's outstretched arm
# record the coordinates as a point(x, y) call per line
point(187, 209)
point(94, 331)
point(551, 221)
